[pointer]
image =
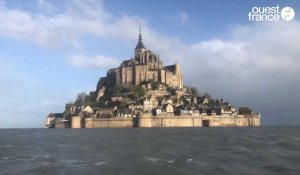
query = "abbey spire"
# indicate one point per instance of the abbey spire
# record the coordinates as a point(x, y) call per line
point(140, 44)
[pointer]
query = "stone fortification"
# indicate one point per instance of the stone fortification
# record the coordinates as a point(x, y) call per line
point(146, 120)
point(142, 92)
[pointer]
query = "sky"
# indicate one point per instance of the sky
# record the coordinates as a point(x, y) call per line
point(52, 50)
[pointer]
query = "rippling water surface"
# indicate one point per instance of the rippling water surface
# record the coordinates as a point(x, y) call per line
point(142, 151)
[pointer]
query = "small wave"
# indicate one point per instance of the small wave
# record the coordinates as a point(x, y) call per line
point(71, 161)
point(42, 156)
point(45, 163)
point(170, 161)
point(152, 159)
point(26, 160)
point(189, 160)
point(242, 148)
point(6, 146)
point(278, 168)
point(287, 145)
point(100, 163)
point(155, 159)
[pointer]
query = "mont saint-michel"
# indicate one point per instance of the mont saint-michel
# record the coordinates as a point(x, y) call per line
point(142, 92)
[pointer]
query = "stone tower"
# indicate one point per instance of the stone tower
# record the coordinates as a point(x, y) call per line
point(140, 47)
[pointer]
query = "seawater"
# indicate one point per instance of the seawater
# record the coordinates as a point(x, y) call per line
point(142, 151)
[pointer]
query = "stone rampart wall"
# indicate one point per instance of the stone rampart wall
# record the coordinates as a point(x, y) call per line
point(147, 120)
point(63, 124)
point(110, 123)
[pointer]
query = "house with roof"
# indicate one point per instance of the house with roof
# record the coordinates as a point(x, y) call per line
point(52, 118)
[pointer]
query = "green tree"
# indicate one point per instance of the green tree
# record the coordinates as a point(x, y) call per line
point(171, 90)
point(207, 95)
point(80, 98)
point(211, 102)
point(154, 85)
point(138, 91)
point(245, 110)
point(89, 100)
point(116, 90)
point(194, 91)
point(124, 90)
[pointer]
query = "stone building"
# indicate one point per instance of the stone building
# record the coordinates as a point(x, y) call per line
point(144, 66)
point(51, 118)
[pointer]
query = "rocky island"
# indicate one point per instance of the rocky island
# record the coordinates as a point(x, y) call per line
point(142, 92)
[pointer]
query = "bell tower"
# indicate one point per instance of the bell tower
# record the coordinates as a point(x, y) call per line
point(140, 48)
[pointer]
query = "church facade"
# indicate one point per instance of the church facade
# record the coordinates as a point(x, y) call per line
point(145, 66)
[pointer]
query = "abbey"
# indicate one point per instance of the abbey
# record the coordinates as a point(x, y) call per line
point(145, 66)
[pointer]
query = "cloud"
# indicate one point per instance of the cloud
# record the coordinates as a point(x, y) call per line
point(184, 17)
point(46, 7)
point(96, 61)
point(65, 27)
